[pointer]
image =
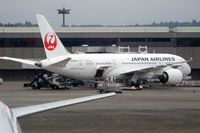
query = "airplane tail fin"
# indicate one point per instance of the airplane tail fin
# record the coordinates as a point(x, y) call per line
point(52, 44)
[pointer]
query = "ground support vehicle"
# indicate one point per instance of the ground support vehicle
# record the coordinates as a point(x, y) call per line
point(44, 81)
point(106, 87)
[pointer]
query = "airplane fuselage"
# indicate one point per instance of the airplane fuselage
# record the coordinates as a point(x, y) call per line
point(8, 123)
point(85, 66)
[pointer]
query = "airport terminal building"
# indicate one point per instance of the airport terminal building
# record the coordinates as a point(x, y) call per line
point(26, 42)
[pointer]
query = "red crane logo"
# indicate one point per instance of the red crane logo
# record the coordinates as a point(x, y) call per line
point(50, 41)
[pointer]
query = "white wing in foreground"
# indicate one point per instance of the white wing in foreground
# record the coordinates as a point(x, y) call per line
point(22, 111)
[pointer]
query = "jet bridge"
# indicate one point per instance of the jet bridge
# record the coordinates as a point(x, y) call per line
point(141, 50)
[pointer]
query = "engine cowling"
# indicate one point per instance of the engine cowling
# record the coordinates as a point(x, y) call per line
point(171, 77)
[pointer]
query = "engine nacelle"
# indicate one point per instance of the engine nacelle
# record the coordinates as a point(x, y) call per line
point(171, 77)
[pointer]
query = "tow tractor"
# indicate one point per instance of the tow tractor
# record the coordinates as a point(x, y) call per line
point(43, 81)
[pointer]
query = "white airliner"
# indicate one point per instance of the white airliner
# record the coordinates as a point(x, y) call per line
point(8, 117)
point(169, 69)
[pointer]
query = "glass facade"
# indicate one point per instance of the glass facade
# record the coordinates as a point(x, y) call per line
point(69, 42)
point(188, 42)
point(20, 42)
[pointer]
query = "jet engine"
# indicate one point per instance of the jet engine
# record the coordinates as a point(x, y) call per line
point(171, 77)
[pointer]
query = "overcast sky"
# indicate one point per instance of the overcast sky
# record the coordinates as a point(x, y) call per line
point(103, 12)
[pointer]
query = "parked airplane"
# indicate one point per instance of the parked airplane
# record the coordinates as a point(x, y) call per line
point(8, 117)
point(170, 69)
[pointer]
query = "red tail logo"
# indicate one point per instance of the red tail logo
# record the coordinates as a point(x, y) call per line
point(50, 41)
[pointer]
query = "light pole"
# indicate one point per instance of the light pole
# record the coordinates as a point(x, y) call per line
point(64, 11)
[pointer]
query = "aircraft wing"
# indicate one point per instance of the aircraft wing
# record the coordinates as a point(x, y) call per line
point(29, 62)
point(120, 70)
point(27, 110)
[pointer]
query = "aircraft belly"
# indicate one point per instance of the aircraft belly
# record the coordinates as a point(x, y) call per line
point(76, 73)
point(81, 74)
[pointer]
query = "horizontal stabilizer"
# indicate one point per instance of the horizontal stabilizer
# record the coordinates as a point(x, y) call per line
point(58, 61)
point(62, 63)
point(22, 111)
point(29, 62)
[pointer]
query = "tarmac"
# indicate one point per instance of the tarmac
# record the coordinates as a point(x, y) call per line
point(151, 110)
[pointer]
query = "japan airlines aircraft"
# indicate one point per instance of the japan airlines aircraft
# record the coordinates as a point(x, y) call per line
point(8, 117)
point(169, 69)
